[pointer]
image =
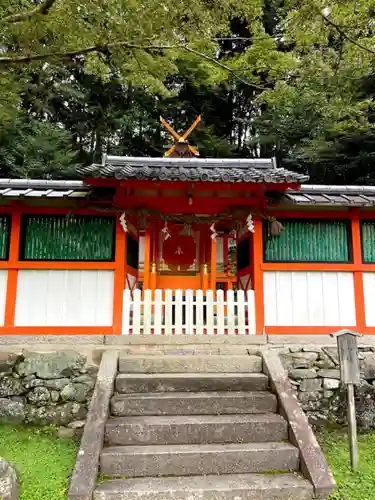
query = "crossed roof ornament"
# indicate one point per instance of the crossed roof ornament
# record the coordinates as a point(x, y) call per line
point(181, 138)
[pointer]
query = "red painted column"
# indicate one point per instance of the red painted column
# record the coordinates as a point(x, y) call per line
point(120, 277)
point(14, 247)
point(359, 295)
point(257, 256)
point(147, 259)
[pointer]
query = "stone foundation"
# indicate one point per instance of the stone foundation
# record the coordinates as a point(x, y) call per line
point(46, 388)
point(315, 374)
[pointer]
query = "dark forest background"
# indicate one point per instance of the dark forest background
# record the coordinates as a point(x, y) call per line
point(300, 91)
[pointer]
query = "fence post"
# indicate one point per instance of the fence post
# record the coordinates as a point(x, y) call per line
point(189, 312)
point(178, 313)
point(158, 312)
point(220, 312)
point(251, 319)
point(210, 312)
point(199, 312)
point(147, 312)
point(137, 312)
point(241, 312)
point(230, 312)
point(126, 312)
point(168, 312)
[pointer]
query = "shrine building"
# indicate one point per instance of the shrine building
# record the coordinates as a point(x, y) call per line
point(197, 230)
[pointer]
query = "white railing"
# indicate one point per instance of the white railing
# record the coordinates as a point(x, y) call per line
point(188, 312)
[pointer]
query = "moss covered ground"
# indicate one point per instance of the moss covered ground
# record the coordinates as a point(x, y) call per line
point(44, 462)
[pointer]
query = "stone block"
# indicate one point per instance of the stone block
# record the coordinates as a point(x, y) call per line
point(12, 411)
point(186, 460)
point(310, 385)
point(295, 349)
point(312, 348)
point(10, 386)
point(7, 361)
point(51, 365)
point(75, 392)
point(299, 359)
point(224, 487)
point(9, 484)
point(202, 429)
point(368, 365)
point(196, 403)
point(302, 373)
point(56, 415)
point(192, 382)
point(331, 383)
point(332, 354)
point(56, 384)
point(190, 364)
point(329, 374)
point(39, 396)
point(309, 396)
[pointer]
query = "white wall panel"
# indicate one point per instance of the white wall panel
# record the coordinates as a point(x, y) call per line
point(309, 298)
point(64, 298)
point(3, 293)
point(369, 291)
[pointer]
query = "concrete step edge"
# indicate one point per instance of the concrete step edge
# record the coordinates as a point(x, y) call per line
point(193, 395)
point(285, 486)
point(155, 449)
point(194, 375)
point(195, 419)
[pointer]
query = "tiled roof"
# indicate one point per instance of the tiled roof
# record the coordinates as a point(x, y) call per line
point(315, 195)
point(27, 188)
point(192, 169)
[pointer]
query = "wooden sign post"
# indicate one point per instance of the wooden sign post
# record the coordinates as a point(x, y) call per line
point(350, 376)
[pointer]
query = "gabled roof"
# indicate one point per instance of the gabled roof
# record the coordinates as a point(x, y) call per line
point(30, 188)
point(192, 169)
point(317, 195)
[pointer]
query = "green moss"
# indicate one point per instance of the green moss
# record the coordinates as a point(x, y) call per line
point(351, 485)
point(43, 461)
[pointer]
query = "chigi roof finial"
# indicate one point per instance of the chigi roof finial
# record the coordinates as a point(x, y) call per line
point(181, 148)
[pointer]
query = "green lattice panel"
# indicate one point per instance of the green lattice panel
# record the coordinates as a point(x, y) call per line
point(82, 238)
point(4, 237)
point(368, 241)
point(309, 241)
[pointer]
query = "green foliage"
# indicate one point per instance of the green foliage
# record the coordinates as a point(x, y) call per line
point(351, 485)
point(285, 78)
point(43, 461)
point(36, 149)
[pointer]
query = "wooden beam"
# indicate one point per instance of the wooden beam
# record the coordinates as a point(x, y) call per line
point(191, 128)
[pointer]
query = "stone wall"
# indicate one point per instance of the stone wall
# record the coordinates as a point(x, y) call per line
point(315, 374)
point(46, 388)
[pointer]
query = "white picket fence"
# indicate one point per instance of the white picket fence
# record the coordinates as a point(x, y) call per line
point(187, 312)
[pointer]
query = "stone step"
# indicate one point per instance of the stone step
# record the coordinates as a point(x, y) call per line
point(226, 487)
point(193, 403)
point(190, 382)
point(190, 363)
point(191, 460)
point(200, 429)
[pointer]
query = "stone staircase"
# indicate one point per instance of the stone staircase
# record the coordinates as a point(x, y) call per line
point(197, 427)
